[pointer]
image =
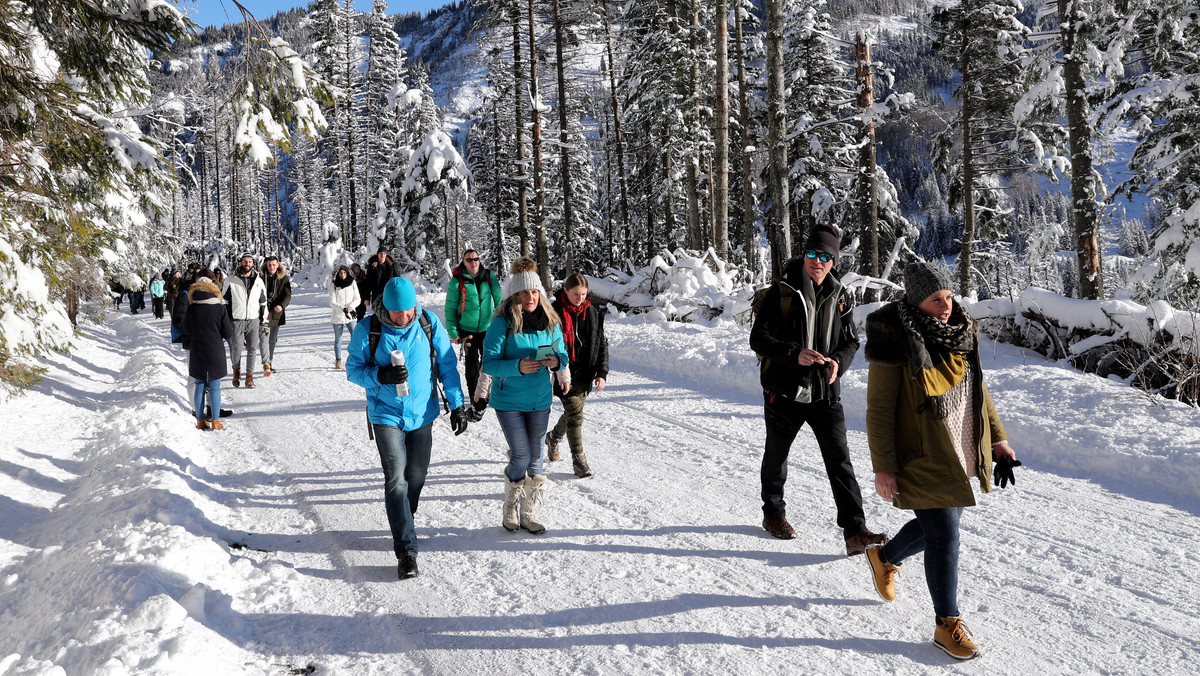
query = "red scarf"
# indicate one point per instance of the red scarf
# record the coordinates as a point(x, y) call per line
point(570, 315)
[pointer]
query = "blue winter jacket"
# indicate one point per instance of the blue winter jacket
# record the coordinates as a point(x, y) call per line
point(158, 289)
point(420, 407)
point(502, 351)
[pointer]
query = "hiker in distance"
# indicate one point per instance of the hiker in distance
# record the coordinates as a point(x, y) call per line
point(344, 299)
point(279, 295)
point(471, 300)
point(587, 350)
point(932, 427)
point(805, 334)
point(403, 401)
point(522, 347)
point(246, 296)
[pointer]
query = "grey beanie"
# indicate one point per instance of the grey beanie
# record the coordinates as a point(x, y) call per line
point(922, 280)
point(824, 238)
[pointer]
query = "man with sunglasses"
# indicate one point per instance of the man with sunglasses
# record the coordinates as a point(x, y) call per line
point(471, 301)
point(806, 337)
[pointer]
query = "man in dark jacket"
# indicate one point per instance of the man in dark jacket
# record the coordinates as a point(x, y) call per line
point(806, 337)
point(279, 296)
point(471, 300)
point(378, 276)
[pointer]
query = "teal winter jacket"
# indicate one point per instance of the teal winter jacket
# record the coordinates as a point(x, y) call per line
point(503, 350)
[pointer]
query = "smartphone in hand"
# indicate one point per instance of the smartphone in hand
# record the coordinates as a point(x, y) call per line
point(544, 352)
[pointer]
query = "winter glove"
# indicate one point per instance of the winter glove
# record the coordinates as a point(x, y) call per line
point(458, 420)
point(1003, 473)
point(392, 375)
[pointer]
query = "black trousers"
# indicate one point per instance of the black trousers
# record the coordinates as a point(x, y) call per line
point(827, 420)
point(157, 303)
point(473, 346)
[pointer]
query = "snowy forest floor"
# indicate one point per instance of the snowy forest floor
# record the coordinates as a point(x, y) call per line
point(132, 542)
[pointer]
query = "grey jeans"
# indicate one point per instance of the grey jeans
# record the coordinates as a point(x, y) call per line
point(271, 335)
point(245, 332)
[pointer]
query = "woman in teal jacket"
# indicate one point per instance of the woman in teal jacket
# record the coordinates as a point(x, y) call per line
point(521, 394)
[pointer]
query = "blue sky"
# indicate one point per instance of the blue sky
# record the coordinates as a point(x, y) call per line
point(220, 12)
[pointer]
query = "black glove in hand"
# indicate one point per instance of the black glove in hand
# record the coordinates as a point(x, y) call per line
point(1003, 473)
point(458, 420)
point(392, 375)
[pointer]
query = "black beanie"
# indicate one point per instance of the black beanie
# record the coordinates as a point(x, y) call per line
point(922, 280)
point(824, 238)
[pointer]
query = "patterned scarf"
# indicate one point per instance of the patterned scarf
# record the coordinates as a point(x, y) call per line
point(938, 351)
point(570, 315)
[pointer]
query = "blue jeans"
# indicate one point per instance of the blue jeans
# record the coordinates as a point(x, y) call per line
point(213, 387)
point(337, 337)
point(405, 459)
point(935, 532)
point(525, 432)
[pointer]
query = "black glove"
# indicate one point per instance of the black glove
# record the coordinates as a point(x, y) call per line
point(1003, 473)
point(458, 420)
point(392, 375)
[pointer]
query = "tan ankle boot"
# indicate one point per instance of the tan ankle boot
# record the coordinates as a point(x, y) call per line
point(266, 369)
point(952, 636)
point(216, 424)
point(201, 424)
point(249, 380)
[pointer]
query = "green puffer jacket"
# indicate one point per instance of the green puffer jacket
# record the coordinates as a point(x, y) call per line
point(916, 446)
point(471, 301)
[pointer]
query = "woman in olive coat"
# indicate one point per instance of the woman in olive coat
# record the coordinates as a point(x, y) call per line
point(932, 427)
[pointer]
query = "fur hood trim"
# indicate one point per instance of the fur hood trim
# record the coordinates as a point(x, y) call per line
point(202, 288)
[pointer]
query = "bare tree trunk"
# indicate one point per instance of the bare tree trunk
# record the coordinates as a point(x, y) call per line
point(747, 161)
point(695, 238)
point(968, 177)
point(539, 186)
point(568, 215)
point(496, 174)
point(522, 168)
point(868, 199)
point(720, 170)
point(1083, 181)
point(620, 140)
point(217, 165)
point(781, 237)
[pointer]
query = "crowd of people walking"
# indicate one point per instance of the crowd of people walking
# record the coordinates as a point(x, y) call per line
point(931, 425)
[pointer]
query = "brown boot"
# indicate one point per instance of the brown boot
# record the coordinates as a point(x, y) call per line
point(266, 368)
point(858, 543)
point(552, 453)
point(201, 424)
point(580, 464)
point(237, 377)
point(216, 424)
point(952, 636)
point(883, 573)
point(249, 380)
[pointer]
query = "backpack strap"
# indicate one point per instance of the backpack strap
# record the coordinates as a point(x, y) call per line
point(373, 338)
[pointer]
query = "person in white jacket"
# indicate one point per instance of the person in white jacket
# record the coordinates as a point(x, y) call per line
point(246, 296)
point(343, 298)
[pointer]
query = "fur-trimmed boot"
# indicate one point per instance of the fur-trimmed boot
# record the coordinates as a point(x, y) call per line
point(580, 464)
point(531, 499)
point(237, 377)
point(512, 505)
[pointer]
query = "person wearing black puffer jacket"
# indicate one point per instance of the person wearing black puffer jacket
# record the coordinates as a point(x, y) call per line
point(587, 347)
point(806, 337)
point(207, 327)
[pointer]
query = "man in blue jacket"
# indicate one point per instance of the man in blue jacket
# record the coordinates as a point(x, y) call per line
point(403, 424)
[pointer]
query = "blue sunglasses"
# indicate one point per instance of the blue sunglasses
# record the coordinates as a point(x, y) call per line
point(819, 255)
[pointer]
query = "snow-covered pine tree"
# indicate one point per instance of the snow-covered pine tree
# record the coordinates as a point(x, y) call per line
point(385, 82)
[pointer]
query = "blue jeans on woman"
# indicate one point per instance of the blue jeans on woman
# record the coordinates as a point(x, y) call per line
point(337, 337)
point(405, 458)
point(525, 432)
point(935, 532)
point(213, 388)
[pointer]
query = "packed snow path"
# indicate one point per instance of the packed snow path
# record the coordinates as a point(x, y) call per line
point(132, 541)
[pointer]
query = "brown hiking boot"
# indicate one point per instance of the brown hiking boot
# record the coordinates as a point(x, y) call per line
point(237, 377)
point(249, 380)
point(266, 369)
point(883, 573)
point(780, 528)
point(552, 453)
point(954, 638)
point(216, 424)
point(580, 464)
point(201, 424)
point(858, 543)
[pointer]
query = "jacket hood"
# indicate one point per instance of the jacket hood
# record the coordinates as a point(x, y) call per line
point(204, 291)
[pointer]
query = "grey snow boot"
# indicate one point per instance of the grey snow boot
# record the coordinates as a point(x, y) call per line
point(530, 501)
point(512, 505)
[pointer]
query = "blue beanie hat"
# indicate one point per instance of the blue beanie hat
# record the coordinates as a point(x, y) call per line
point(399, 295)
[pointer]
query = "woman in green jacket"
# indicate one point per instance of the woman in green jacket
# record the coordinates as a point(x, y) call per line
point(932, 427)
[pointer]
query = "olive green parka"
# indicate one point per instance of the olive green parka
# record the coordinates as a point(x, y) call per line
point(904, 433)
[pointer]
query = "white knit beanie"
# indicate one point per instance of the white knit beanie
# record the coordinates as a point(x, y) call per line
point(524, 281)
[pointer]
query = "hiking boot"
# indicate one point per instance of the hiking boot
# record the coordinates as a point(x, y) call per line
point(266, 371)
point(407, 568)
point(201, 424)
point(883, 573)
point(580, 464)
point(249, 380)
point(512, 505)
point(858, 543)
point(337, 365)
point(531, 499)
point(237, 377)
point(552, 453)
point(954, 638)
point(780, 528)
point(216, 424)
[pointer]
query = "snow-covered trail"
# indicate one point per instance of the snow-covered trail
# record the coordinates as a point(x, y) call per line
point(658, 564)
